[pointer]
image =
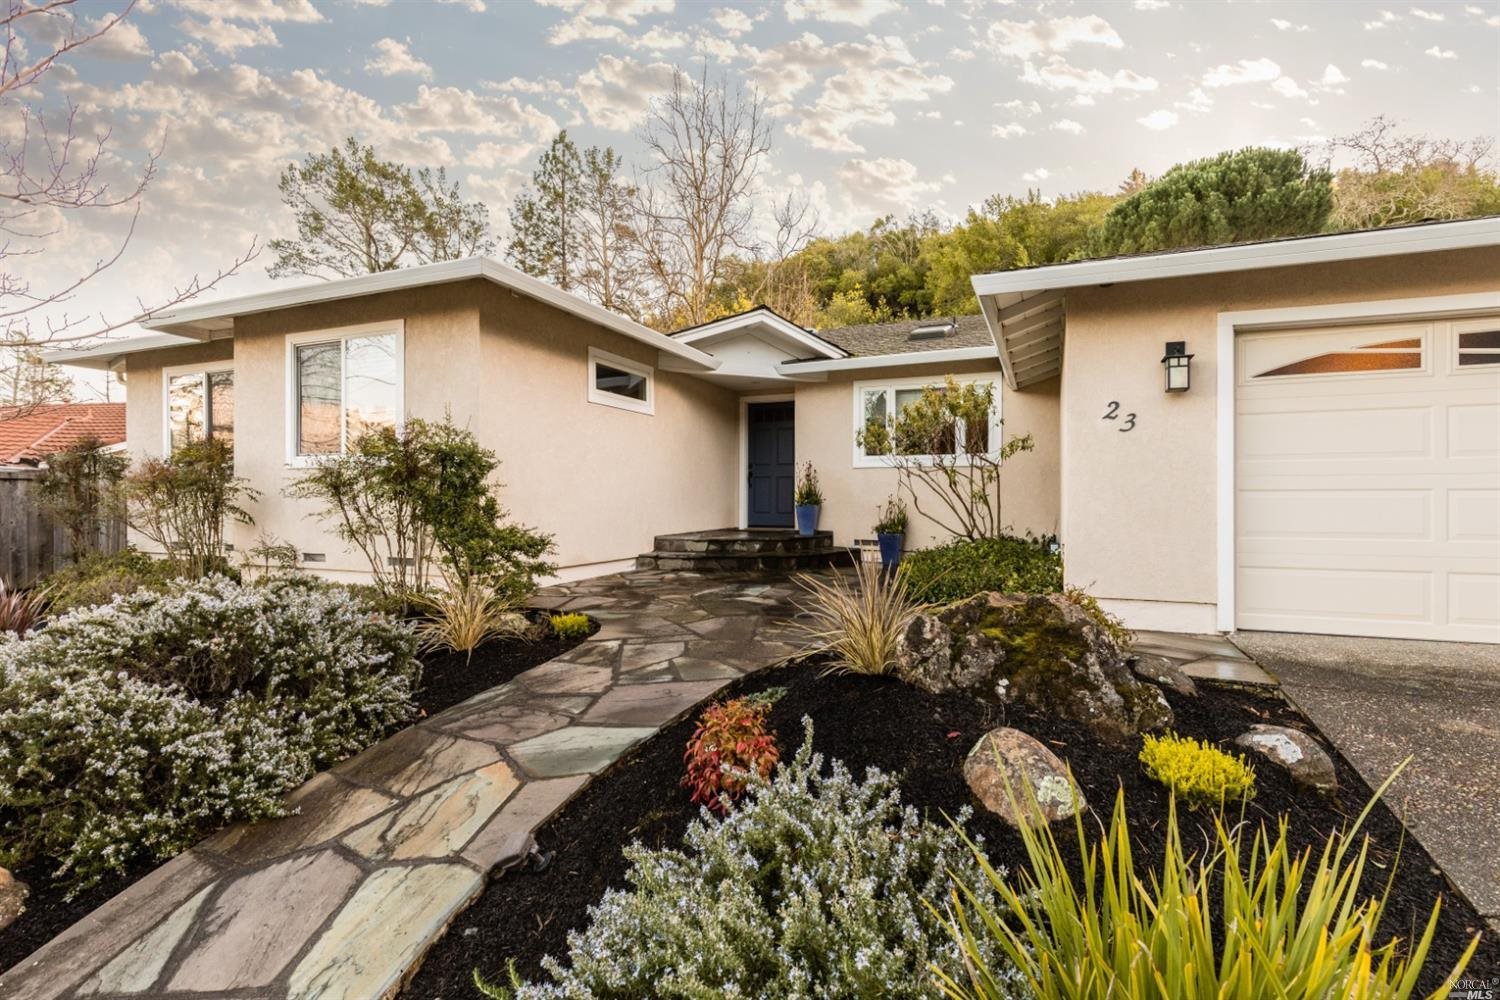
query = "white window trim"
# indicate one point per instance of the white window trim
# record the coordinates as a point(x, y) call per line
point(596, 395)
point(175, 371)
point(863, 461)
point(340, 333)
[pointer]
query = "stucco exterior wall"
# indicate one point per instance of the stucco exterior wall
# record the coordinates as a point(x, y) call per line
point(603, 480)
point(853, 496)
point(1139, 509)
point(145, 403)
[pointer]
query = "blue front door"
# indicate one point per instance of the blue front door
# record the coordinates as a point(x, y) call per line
point(773, 464)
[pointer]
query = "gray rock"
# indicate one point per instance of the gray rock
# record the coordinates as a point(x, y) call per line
point(1010, 756)
point(1295, 752)
point(1162, 671)
point(1041, 649)
point(12, 898)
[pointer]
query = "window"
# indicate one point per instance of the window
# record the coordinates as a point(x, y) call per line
point(200, 404)
point(877, 404)
point(1478, 347)
point(617, 381)
point(1389, 355)
point(343, 388)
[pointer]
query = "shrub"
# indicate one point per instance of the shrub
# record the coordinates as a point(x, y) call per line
point(98, 579)
point(132, 729)
point(859, 625)
point(570, 625)
point(20, 610)
point(466, 615)
point(182, 503)
point(1202, 776)
point(1286, 927)
point(729, 744)
point(80, 490)
point(964, 568)
point(813, 888)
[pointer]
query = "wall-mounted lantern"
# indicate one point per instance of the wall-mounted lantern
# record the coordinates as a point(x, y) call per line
point(1179, 366)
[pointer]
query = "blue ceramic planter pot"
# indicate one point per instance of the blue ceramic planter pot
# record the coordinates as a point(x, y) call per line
point(890, 550)
point(807, 517)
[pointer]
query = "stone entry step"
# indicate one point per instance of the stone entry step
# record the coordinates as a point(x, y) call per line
point(725, 550)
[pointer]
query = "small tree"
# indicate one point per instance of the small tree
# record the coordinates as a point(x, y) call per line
point(80, 490)
point(182, 503)
point(544, 220)
point(941, 444)
point(421, 499)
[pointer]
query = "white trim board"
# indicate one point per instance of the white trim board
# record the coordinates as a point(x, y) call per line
point(742, 485)
point(603, 397)
point(1230, 323)
point(945, 355)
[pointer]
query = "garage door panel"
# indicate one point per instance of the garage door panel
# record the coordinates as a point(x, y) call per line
point(1368, 503)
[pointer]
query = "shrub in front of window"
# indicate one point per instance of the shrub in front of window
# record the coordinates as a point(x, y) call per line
point(1200, 775)
point(962, 569)
point(729, 744)
point(132, 729)
point(183, 503)
point(815, 887)
point(80, 491)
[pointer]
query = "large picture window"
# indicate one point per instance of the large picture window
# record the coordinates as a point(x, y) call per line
point(200, 405)
point(343, 388)
point(878, 404)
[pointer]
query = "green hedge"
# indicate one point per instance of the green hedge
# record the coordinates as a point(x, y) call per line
point(961, 569)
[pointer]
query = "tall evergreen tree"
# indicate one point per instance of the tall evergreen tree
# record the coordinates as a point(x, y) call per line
point(609, 270)
point(544, 220)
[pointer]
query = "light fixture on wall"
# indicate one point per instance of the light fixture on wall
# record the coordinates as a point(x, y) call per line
point(1179, 366)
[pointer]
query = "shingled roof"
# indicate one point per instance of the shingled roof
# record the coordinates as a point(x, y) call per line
point(873, 339)
point(27, 437)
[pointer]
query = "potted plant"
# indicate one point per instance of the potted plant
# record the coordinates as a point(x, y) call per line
point(890, 530)
point(808, 499)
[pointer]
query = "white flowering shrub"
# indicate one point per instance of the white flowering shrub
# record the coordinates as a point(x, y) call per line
point(815, 887)
point(133, 728)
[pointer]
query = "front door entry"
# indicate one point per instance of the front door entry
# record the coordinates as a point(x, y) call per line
point(773, 464)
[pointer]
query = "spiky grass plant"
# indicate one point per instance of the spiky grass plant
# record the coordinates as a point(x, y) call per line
point(861, 623)
point(20, 610)
point(464, 616)
point(1290, 927)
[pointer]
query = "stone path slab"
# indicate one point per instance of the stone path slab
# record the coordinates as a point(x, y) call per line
point(344, 897)
point(1204, 657)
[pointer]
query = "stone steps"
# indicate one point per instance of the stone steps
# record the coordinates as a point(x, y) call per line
point(754, 550)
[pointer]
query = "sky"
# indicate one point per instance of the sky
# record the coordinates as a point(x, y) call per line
point(879, 106)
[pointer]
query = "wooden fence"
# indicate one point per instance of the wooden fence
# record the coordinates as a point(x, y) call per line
point(31, 546)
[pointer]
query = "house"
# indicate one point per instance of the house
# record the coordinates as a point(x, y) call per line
point(1333, 463)
point(29, 434)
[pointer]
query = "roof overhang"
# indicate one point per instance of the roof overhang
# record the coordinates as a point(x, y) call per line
point(766, 325)
point(110, 354)
point(946, 355)
point(1026, 309)
point(211, 320)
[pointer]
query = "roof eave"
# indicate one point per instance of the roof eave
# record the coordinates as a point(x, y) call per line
point(945, 355)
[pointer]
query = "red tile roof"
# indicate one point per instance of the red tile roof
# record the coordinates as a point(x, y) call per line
point(33, 435)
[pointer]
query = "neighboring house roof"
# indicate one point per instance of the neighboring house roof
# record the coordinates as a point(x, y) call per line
point(212, 320)
point(29, 436)
point(1026, 308)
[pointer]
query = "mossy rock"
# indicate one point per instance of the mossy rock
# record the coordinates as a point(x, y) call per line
point(1041, 649)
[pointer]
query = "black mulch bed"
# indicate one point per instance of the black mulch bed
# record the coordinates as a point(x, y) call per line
point(447, 679)
point(867, 721)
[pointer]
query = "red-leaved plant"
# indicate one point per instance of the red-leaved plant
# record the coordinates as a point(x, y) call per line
point(730, 743)
point(20, 610)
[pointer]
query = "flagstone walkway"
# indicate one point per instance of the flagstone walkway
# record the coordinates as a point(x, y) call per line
point(342, 899)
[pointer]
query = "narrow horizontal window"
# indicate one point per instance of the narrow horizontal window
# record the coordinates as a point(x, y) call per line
point(620, 382)
point(1479, 347)
point(1391, 355)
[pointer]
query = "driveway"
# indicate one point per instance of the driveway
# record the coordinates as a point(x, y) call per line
point(1382, 700)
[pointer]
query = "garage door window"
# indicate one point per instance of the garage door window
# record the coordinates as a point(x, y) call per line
point(1479, 347)
point(1389, 355)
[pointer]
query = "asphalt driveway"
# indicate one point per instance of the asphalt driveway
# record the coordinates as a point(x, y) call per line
point(1382, 700)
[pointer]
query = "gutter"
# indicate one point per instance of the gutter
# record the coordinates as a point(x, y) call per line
point(942, 356)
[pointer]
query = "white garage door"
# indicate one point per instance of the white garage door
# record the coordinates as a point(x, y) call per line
point(1367, 480)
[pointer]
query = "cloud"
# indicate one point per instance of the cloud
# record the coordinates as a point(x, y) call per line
point(472, 6)
point(1242, 72)
point(1284, 25)
point(616, 93)
point(856, 12)
point(1438, 53)
point(1287, 87)
point(1058, 75)
point(1160, 119)
point(228, 37)
point(1197, 101)
point(1332, 76)
point(732, 22)
point(960, 55)
point(123, 42)
point(1028, 39)
point(1151, 4)
point(873, 76)
point(1009, 131)
point(255, 11)
point(1039, 174)
point(885, 184)
point(586, 15)
point(1386, 18)
point(1373, 64)
point(393, 58)
point(1021, 107)
point(1066, 125)
point(1427, 15)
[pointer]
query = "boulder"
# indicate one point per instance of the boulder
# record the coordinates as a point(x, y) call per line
point(12, 898)
point(1163, 672)
point(1294, 752)
point(1041, 649)
point(1009, 755)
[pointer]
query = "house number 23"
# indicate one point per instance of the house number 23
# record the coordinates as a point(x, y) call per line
point(1112, 412)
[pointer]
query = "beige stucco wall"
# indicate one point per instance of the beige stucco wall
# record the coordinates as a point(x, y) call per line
point(603, 480)
point(1140, 508)
point(853, 496)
